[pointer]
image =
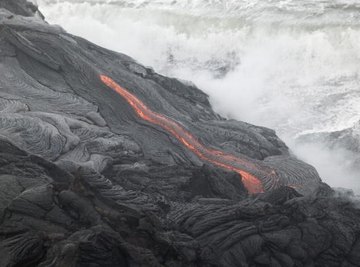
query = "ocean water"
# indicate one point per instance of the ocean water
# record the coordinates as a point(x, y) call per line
point(291, 65)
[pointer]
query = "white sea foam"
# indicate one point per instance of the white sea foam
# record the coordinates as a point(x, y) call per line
point(287, 64)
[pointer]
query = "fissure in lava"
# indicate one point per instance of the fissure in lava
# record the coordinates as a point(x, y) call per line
point(216, 157)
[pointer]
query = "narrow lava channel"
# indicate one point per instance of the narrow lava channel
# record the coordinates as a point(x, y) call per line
point(216, 157)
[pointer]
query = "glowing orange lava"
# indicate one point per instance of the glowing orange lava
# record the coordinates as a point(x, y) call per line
point(216, 157)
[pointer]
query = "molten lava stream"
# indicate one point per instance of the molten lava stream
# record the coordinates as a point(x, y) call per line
point(216, 157)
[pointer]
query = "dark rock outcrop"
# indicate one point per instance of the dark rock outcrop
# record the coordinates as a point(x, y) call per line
point(20, 7)
point(85, 182)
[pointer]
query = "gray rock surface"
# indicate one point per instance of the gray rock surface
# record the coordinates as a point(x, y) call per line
point(85, 182)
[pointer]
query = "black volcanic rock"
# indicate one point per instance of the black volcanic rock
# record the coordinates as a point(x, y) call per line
point(19, 7)
point(85, 182)
point(210, 182)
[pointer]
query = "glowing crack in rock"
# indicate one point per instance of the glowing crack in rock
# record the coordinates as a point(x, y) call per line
point(216, 157)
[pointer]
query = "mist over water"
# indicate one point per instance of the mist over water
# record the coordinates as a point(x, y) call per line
point(291, 65)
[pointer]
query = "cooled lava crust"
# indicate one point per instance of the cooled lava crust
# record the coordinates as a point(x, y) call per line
point(104, 162)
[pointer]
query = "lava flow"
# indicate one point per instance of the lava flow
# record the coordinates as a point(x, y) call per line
point(216, 157)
